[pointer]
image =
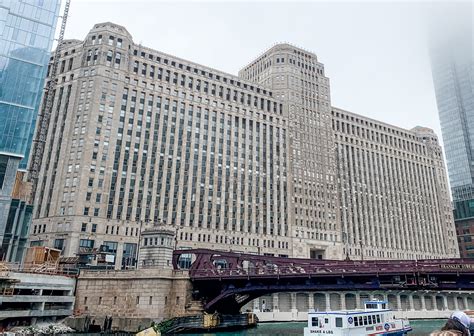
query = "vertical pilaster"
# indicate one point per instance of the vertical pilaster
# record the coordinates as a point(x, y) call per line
point(411, 306)
point(328, 302)
point(293, 302)
point(445, 301)
point(310, 300)
point(276, 307)
point(343, 300)
point(358, 305)
point(256, 304)
point(399, 302)
point(466, 306)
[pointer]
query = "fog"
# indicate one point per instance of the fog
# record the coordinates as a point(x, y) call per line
point(376, 54)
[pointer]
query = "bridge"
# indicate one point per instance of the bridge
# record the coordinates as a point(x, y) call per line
point(226, 281)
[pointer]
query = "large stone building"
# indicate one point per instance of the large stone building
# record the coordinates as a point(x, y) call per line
point(393, 190)
point(245, 163)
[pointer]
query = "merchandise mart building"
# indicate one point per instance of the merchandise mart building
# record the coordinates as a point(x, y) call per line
point(246, 163)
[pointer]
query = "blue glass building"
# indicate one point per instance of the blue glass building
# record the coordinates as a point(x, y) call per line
point(27, 29)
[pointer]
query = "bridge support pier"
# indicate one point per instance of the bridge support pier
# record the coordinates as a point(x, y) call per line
point(399, 301)
point(466, 304)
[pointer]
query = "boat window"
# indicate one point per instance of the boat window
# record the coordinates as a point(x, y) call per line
point(384, 305)
point(339, 322)
point(360, 320)
point(370, 319)
point(356, 321)
point(378, 318)
point(365, 320)
point(326, 320)
point(314, 321)
point(371, 305)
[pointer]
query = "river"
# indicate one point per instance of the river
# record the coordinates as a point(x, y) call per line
point(420, 328)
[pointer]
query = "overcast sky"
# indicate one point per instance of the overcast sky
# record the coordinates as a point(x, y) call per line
point(375, 53)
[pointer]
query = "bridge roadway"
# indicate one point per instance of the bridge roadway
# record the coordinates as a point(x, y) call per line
point(226, 281)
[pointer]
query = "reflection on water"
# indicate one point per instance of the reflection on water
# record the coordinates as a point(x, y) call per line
point(420, 328)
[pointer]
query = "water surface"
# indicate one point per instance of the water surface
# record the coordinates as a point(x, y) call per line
point(420, 328)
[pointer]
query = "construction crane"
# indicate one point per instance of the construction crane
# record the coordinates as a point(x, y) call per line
point(44, 114)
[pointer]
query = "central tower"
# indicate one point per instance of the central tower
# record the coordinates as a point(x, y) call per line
point(298, 80)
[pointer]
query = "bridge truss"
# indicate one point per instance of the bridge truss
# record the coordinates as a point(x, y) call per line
point(225, 281)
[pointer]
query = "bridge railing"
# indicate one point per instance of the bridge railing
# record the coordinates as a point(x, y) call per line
point(321, 271)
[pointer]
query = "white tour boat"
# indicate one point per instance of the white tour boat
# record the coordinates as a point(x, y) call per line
point(375, 319)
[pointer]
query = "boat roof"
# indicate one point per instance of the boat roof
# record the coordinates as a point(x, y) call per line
point(349, 312)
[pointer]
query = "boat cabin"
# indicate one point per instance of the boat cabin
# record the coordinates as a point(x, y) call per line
point(375, 312)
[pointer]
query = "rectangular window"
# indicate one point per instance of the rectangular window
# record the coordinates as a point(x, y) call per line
point(88, 243)
point(338, 322)
point(59, 244)
point(84, 227)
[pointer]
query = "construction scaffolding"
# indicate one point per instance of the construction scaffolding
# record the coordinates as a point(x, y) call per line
point(44, 114)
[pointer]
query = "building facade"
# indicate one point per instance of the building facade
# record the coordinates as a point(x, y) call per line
point(138, 136)
point(26, 36)
point(393, 190)
point(248, 163)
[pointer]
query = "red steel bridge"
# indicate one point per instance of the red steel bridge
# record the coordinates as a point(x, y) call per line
point(225, 281)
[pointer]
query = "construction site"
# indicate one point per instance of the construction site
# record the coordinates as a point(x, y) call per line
point(39, 290)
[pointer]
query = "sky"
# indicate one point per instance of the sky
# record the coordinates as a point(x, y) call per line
point(375, 53)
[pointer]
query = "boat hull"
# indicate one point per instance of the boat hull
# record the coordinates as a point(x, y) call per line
point(319, 332)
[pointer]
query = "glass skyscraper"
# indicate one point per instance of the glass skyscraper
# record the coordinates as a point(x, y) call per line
point(27, 30)
point(452, 68)
point(453, 76)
